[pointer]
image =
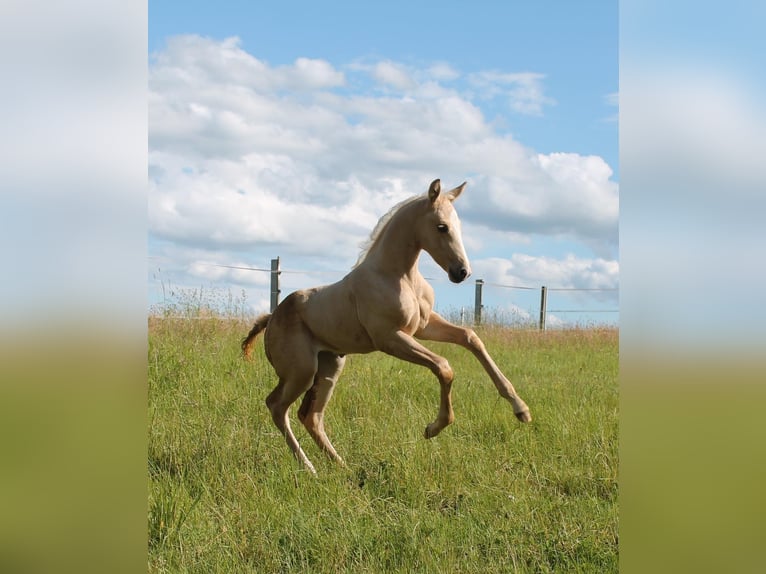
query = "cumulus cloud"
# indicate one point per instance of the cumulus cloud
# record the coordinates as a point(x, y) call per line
point(249, 160)
point(188, 60)
point(559, 194)
point(571, 272)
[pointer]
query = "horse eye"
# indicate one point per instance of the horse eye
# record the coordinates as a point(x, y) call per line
point(441, 228)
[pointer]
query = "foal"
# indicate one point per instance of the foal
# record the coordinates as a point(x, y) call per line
point(383, 304)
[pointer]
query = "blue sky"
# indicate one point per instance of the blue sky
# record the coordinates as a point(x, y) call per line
point(520, 99)
point(573, 43)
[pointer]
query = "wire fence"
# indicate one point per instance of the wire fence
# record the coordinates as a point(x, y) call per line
point(276, 271)
point(544, 311)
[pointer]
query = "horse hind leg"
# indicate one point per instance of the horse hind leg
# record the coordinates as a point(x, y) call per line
point(279, 402)
point(311, 411)
point(291, 385)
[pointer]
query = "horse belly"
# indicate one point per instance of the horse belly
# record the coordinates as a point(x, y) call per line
point(331, 316)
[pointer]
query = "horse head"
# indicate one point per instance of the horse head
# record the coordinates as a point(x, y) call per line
point(440, 233)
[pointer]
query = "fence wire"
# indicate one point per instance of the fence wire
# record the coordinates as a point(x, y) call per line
point(546, 311)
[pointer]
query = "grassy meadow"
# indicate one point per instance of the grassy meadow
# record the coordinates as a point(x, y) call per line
point(489, 494)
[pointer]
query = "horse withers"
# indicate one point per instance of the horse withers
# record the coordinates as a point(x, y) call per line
point(383, 304)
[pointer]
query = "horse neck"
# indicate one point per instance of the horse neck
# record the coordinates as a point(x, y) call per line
point(396, 251)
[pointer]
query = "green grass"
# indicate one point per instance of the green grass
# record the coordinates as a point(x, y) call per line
point(489, 494)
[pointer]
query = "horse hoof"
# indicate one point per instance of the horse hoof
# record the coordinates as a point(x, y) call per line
point(428, 433)
point(524, 416)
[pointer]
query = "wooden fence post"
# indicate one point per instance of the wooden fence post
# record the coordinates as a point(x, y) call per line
point(543, 305)
point(478, 306)
point(275, 283)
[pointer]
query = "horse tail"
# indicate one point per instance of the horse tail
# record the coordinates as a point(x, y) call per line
point(247, 343)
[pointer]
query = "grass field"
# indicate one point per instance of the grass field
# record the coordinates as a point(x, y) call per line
point(488, 494)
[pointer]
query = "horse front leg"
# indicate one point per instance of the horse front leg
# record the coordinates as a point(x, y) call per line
point(439, 329)
point(404, 347)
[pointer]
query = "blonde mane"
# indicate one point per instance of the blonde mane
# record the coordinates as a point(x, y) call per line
point(380, 226)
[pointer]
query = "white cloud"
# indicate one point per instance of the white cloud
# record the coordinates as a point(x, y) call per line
point(393, 74)
point(443, 71)
point(308, 73)
point(407, 79)
point(189, 61)
point(249, 161)
point(524, 91)
point(571, 272)
point(560, 194)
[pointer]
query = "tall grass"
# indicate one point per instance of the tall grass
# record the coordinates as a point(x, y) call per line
point(487, 495)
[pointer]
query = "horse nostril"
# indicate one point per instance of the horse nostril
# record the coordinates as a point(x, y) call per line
point(459, 274)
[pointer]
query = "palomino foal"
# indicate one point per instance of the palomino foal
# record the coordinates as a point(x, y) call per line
point(383, 304)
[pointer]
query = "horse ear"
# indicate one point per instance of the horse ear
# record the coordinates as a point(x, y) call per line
point(453, 194)
point(434, 190)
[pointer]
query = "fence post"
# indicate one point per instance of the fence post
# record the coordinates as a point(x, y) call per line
point(275, 283)
point(543, 305)
point(478, 306)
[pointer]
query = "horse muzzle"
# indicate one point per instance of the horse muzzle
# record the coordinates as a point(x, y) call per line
point(458, 273)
